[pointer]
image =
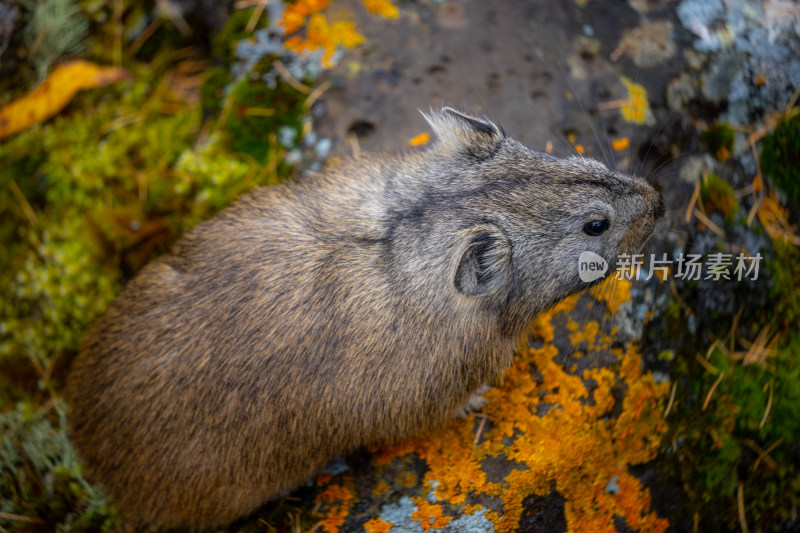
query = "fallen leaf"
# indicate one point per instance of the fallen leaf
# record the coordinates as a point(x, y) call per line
point(54, 93)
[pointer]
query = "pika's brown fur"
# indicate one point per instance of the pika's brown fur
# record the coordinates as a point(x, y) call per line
point(347, 309)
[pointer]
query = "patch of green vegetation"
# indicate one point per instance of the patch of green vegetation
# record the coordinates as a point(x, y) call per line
point(256, 111)
point(735, 420)
point(780, 157)
point(718, 195)
point(56, 29)
point(720, 138)
point(86, 199)
point(786, 285)
point(223, 43)
point(41, 486)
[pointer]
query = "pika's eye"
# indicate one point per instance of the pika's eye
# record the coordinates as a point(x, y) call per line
point(595, 227)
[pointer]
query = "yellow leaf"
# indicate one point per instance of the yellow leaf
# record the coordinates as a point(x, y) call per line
point(419, 140)
point(54, 93)
point(383, 8)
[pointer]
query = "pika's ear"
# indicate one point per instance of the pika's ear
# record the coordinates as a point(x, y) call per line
point(484, 262)
point(461, 132)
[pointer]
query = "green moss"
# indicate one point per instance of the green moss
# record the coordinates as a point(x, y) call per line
point(780, 157)
point(57, 29)
point(223, 43)
point(720, 138)
point(718, 195)
point(40, 477)
point(256, 111)
point(785, 270)
point(752, 408)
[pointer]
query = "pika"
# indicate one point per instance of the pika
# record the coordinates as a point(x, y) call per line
point(349, 308)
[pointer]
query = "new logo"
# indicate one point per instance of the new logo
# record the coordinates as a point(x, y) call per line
point(591, 266)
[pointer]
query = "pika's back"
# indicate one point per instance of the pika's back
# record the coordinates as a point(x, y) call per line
point(346, 309)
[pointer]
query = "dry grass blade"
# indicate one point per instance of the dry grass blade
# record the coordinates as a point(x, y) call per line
point(21, 518)
point(708, 366)
point(712, 389)
point(692, 203)
point(761, 348)
point(288, 78)
point(671, 400)
point(769, 406)
point(707, 221)
point(762, 453)
point(740, 500)
point(168, 9)
point(260, 6)
point(479, 433)
point(23, 202)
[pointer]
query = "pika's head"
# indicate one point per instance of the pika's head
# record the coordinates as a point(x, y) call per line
point(519, 220)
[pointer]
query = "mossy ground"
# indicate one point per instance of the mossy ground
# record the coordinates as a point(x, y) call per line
point(88, 197)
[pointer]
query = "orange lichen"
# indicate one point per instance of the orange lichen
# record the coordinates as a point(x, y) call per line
point(590, 337)
point(613, 291)
point(324, 35)
point(383, 8)
point(637, 107)
point(419, 140)
point(620, 144)
point(381, 487)
point(320, 35)
point(576, 447)
point(335, 503)
point(429, 515)
point(323, 479)
point(376, 525)
point(295, 14)
point(406, 479)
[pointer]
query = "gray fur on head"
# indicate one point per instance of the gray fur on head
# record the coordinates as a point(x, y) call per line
point(351, 308)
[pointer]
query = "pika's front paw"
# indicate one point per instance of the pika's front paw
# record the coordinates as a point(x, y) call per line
point(475, 403)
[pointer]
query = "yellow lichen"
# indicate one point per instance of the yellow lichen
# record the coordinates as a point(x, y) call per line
point(406, 479)
point(576, 447)
point(335, 503)
point(383, 8)
point(621, 143)
point(419, 140)
point(381, 487)
point(377, 525)
point(637, 108)
point(613, 291)
point(429, 515)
